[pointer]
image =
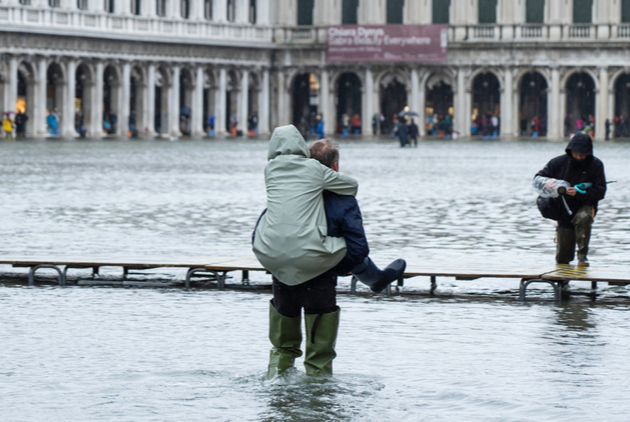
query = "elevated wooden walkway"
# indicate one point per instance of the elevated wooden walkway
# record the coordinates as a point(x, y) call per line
point(556, 275)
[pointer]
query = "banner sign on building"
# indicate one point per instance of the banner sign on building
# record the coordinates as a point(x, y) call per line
point(387, 43)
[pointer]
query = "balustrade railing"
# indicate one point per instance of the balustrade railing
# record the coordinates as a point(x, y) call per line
point(580, 31)
point(81, 21)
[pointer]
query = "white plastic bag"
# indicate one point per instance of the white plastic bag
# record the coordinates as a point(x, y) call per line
point(548, 187)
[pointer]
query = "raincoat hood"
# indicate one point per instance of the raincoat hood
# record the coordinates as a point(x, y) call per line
point(581, 143)
point(287, 140)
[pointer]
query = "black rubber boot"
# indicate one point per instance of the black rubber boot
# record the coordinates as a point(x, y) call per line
point(377, 279)
point(565, 245)
point(286, 336)
point(583, 222)
point(321, 336)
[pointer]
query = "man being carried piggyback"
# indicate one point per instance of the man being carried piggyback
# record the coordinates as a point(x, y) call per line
point(305, 254)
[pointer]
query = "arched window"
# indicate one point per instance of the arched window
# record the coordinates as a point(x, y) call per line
point(305, 12)
point(54, 3)
point(441, 11)
point(161, 8)
point(82, 4)
point(535, 11)
point(135, 7)
point(487, 11)
point(395, 11)
point(582, 11)
point(109, 6)
point(208, 9)
point(25, 2)
point(231, 10)
point(185, 9)
point(252, 11)
point(349, 9)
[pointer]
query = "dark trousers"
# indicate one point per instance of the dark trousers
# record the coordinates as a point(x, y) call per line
point(316, 296)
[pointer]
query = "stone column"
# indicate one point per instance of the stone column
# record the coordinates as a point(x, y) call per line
point(281, 118)
point(149, 109)
point(324, 99)
point(368, 102)
point(39, 111)
point(243, 106)
point(196, 123)
point(173, 109)
point(125, 101)
point(12, 89)
point(219, 14)
point(264, 104)
point(506, 104)
point(415, 91)
point(462, 116)
point(422, 105)
point(96, 108)
point(68, 110)
point(220, 98)
point(601, 104)
point(262, 12)
point(555, 120)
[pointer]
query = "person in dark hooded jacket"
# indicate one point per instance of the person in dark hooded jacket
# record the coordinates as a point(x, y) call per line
point(578, 165)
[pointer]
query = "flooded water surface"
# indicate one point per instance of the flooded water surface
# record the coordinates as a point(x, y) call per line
point(471, 352)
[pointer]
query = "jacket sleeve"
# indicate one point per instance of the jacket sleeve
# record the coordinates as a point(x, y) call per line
point(596, 192)
point(339, 183)
point(549, 170)
point(353, 232)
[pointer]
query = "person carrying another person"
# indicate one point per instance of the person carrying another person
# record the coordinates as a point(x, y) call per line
point(294, 242)
point(570, 186)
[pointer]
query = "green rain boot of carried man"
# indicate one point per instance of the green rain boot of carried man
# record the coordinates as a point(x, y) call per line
point(570, 187)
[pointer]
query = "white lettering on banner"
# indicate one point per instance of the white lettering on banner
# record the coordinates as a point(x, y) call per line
point(403, 41)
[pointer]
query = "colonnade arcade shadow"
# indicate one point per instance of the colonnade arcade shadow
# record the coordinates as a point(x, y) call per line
point(439, 103)
point(26, 93)
point(349, 93)
point(486, 98)
point(393, 90)
point(305, 99)
point(620, 126)
point(533, 90)
point(580, 99)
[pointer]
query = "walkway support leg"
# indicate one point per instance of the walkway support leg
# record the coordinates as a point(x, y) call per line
point(31, 274)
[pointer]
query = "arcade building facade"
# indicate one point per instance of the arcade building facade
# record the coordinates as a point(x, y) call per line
point(233, 59)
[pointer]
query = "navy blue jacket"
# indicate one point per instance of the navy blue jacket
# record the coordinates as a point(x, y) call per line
point(344, 219)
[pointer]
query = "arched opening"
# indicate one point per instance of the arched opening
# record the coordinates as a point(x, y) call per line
point(231, 10)
point(580, 92)
point(393, 98)
point(305, 101)
point(395, 11)
point(83, 98)
point(185, 9)
point(252, 105)
point(136, 102)
point(160, 7)
point(160, 119)
point(3, 84)
point(349, 12)
point(622, 106)
point(111, 96)
point(54, 88)
point(486, 106)
point(26, 98)
point(533, 105)
point(252, 12)
point(231, 103)
point(186, 88)
point(349, 103)
point(136, 7)
point(439, 107)
point(305, 12)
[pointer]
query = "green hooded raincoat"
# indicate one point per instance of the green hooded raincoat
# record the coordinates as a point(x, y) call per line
point(291, 240)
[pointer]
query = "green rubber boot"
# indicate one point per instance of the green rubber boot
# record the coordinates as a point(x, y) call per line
point(565, 245)
point(321, 335)
point(286, 336)
point(583, 222)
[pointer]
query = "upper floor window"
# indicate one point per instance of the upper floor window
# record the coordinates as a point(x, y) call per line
point(487, 11)
point(305, 12)
point(208, 9)
point(441, 11)
point(625, 11)
point(185, 9)
point(395, 11)
point(160, 9)
point(349, 12)
point(582, 11)
point(54, 3)
point(252, 11)
point(82, 4)
point(535, 11)
point(25, 2)
point(231, 10)
point(109, 6)
point(135, 7)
